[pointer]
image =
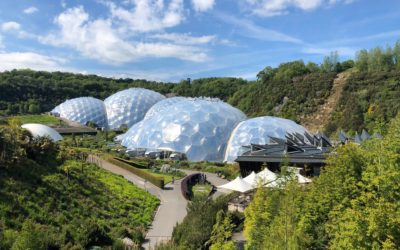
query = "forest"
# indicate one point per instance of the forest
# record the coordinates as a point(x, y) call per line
point(291, 90)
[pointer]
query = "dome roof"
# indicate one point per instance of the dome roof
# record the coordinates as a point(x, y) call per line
point(129, 106)
point(257, 131)
point(198, 127)
point(40, 130)
point(163, 106)
point(83, 110)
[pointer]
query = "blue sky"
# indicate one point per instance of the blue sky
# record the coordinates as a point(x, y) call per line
point(170, 40)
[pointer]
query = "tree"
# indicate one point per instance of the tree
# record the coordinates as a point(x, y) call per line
point(330, 63)
point(362, 60)
point(34, 108)
point(222, 232)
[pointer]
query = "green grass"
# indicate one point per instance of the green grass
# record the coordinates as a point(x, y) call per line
point(42, 119)
point(90, 207)
point(201, 190)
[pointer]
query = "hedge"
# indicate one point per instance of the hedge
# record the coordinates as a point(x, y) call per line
point(132, 163)
point(158, 181)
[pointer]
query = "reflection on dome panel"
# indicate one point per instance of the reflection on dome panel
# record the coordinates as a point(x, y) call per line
point(162, 106)
point(197, 135)
point(83, 110)
point(40, 130)
point(257, 131)
point(129, 106)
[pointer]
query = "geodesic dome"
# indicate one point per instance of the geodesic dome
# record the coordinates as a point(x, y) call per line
point(129, 106)
point(198, 127)
point(40, 130)
point(163, 106)
point(257, 131)
point(83, 110)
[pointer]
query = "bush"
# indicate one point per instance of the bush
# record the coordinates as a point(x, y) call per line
point(158, 181)
point(134, 163)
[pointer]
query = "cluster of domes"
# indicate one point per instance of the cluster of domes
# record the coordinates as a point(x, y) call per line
point(205, 129)
point(198, 127)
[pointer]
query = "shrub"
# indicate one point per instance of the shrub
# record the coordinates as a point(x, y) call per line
point(158, 181)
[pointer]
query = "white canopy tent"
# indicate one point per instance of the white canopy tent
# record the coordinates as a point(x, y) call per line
point(300, 178)
point(238, 185)
point(266, 176)
point(252, 179)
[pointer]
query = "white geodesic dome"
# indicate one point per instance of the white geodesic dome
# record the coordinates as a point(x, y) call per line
point(163, 106)
point(40, 130)
point(129, 106)
point(257, 131)
point(83, 110)
point(198, 127)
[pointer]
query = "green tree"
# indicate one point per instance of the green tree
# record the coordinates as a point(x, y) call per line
point(362, 60)
point(222, 232)
point(330, 63)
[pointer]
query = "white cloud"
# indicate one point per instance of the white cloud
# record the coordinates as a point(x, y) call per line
point(29, 60)
point(185, 39)
point(98, 39)
point(10, 26)
point(249, 29)
point(1, 42)
point(268, 8)
point(148, 15)
point(203, 5)
point(30, 10)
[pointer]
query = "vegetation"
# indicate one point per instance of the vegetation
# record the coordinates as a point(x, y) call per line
point(33, 92)
point(50, 203)
point(291, 90)
point(225, 170)
point(370, 97)
point(196, 228)
point(201, 189)
point(353, 204)
point(156, 180)
point(42, 119)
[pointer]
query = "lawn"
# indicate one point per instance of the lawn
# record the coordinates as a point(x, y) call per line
point(42, 119)
point(201, 190)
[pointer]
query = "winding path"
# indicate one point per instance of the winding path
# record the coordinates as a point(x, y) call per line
point(172, 207)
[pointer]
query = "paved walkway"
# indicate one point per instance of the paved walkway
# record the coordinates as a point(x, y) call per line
point(172, 207)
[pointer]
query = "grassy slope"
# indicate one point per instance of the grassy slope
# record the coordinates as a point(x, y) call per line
point(72, 209)
point(42, 119)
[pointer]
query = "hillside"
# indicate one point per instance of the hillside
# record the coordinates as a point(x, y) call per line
point(318, 120)
point(321, 97)
point(48, 203)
